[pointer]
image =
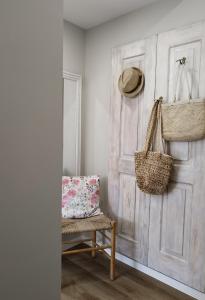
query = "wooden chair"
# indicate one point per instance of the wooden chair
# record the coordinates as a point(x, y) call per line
point(98, 223)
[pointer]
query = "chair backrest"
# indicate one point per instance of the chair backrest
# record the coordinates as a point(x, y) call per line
point(80, 196)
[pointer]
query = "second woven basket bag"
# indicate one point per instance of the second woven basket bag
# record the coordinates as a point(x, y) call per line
point(183, 120)
point(153, 169)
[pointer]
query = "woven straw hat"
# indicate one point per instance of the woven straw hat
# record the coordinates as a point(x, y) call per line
point(131, 82)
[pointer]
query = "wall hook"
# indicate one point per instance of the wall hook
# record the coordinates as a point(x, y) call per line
point(182, 60)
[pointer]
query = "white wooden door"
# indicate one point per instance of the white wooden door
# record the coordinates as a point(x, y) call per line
point(128, 119)
point(177, 219)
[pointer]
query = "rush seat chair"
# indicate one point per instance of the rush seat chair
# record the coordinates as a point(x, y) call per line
point(93, 224)
point(80, 196)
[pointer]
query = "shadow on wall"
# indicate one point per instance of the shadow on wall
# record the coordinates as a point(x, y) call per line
point(66, 172)
point(104, 195)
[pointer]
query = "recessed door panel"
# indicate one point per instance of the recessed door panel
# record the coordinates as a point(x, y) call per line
point(127, 216)
point(175, 221)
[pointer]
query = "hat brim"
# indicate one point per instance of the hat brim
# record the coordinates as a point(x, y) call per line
point(139, 88)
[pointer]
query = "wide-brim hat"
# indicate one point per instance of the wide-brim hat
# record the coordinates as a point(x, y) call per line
point(131, 82)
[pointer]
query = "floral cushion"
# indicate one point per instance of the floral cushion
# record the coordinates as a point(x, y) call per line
point(80, 196)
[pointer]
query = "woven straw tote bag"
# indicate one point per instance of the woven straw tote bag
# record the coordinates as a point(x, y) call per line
point(183, 120)
point(153, 169)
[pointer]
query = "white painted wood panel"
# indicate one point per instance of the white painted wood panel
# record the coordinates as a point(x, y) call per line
point(128, 119)
point(176, 235)
point(71, 123)
point(164, 232)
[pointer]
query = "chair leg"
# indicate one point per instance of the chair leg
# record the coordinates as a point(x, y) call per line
point(112, 258)
point(93, 253)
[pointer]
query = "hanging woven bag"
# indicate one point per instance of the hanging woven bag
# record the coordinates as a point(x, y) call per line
point(153, 169)
point(183, 120)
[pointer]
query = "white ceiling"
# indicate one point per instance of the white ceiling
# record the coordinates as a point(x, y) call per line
point(90, 13)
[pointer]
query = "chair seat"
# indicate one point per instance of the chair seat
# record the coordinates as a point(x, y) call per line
point(100, 222)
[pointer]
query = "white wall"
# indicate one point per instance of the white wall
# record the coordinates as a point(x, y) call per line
point(30, 149)
point(154, 18)
point(73, 48)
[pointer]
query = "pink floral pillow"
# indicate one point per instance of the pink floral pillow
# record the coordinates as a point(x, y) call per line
point(80, 196)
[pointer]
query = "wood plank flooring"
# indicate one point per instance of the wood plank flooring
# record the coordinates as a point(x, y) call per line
point(87, 278)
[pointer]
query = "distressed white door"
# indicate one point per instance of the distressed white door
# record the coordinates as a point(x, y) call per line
point(128, 119)
point(177, 219)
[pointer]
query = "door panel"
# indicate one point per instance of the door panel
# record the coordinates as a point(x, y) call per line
point(128, 119)
point(69, 126)
point(71, 123)
point(127, 209)
point(176, 238)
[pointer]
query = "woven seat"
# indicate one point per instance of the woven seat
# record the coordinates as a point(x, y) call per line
point(100, 222)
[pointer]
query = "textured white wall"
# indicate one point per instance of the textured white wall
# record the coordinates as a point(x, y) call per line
point(157, 17)
point(31, 149)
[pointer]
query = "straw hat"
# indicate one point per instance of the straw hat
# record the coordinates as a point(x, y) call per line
point(131, 82)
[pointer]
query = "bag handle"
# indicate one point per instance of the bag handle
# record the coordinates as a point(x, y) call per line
point(160, 145)
point(181, 67)
point(155, 117)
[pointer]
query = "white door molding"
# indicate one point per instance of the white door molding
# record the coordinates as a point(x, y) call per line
point(77, 78)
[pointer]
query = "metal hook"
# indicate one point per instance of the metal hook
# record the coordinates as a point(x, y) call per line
point(160, 99)
point(182, 60)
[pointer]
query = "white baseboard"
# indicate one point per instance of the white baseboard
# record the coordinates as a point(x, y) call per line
point(159, 276)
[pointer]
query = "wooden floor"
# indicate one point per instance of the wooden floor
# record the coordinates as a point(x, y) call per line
point(87, 278)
